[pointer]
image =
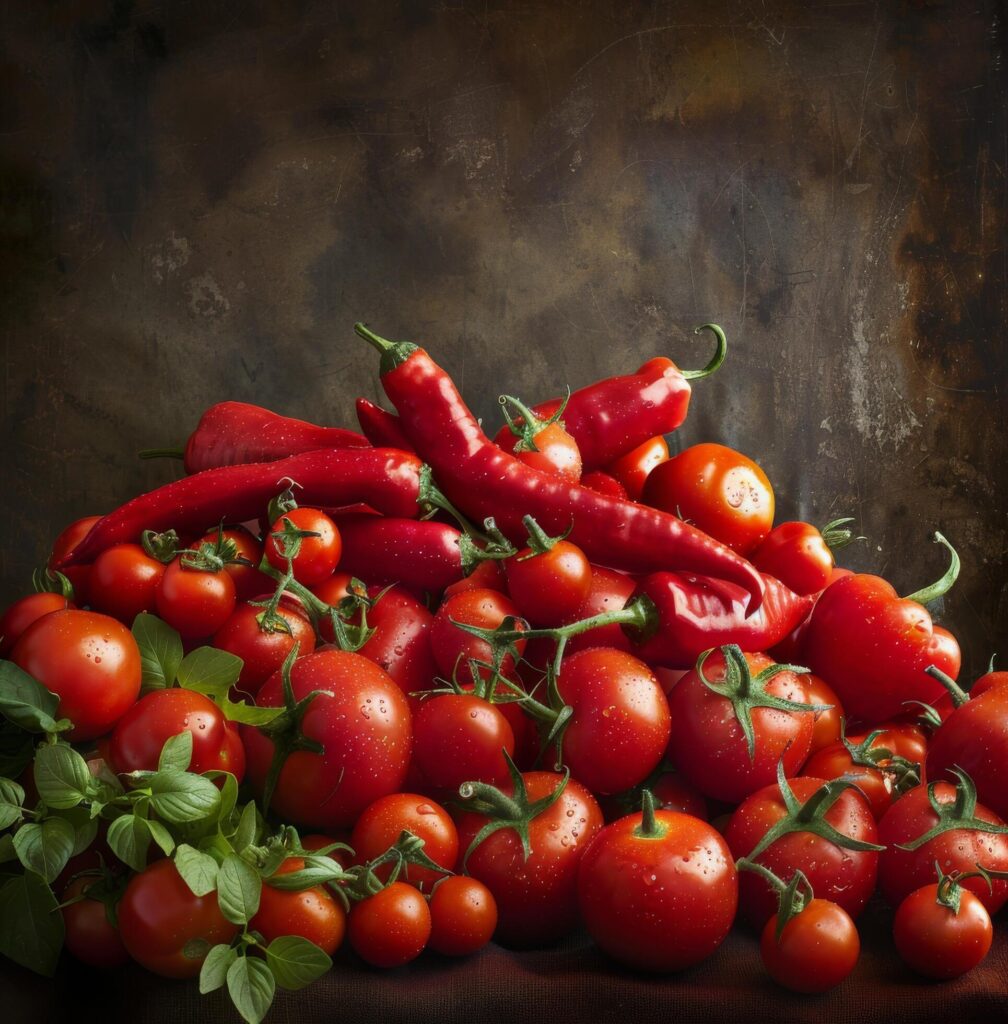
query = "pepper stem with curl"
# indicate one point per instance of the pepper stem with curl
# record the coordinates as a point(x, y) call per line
point(716, 360)
point(942, 586)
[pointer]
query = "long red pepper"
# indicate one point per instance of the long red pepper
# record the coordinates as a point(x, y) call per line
point(484, 481)
point(380, 427)
point(236, 433)
point(383, 478)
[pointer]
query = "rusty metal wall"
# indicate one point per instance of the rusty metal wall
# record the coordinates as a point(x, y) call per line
point(200, 198)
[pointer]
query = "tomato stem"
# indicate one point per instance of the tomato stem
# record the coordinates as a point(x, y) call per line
point(958, 694)
point(942, 586)
point(716, 360)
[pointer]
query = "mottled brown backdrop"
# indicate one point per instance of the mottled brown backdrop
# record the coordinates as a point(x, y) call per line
point(199, 198)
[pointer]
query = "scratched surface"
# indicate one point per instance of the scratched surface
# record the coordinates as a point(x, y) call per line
point(200, 198)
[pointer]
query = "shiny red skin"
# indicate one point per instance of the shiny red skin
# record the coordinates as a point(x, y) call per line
point(792, 648)
point(461, 738)
point(160, 918)
point(719, 490)
point(620, 724)
point(262, 652)
point(311, 913)
point(385, 479)
point(902, 871)
point(195, 602)
point(380, 427)
point(79, 575)
point(90, 936)
point(904, 738)
point(603, 483)
point(707, 744)
point(696, 613)
point(526, 734)
point(90, 661)
point(835, 762)
point(536, 898)
point(452, 646)
point(609, 591)
point(138, 737)
point(670, 792)
point(364, 727)
point(318, 556)
point(797, 555)
point(847, 877)
point(23, 612)
point(938, 943)
point(658, 903)
point(549, 588)
point(634, 467)
point(124, 582)
point(486, 576)
point(390, 928)
point(381, 824)
point(248, 580)
point(988, 681)
point(815, 951)
point(826, 730)
point(872, 647)
point(556, 452)
point(463, 916)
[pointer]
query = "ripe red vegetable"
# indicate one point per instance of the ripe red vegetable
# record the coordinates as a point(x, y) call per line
point(548, 581)
point(800, 556)
point(815, 950)
point(196, 602)
point(124, 581)
point(390, 928)
point(632, 469)
point(311, 913)
point(89, 934)
point(23, 612)
point(316, 556)
point(452, 647)
point(463, 916)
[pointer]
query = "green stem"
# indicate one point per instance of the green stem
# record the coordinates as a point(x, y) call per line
point(649, 827)
point(719, 353)
point(958, 694)
point(376, 340)
point(162, 453)
point(940, 587)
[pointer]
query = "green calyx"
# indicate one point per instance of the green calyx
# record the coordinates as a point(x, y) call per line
point(649, 828)
point(942, 586)
point(716, 360)
point(527, 425)
point(836, 534)
point(48, 581)
point(958, 814)
point(539, 541)
point(792, 897)
point(163, 547)
point(393, 353)
point(958, 694)
point(745, 691)
point(283, 502)
point(903, 773)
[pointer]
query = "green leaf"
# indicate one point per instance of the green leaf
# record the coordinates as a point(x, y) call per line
point(251, 986)
point(11, 801)
point(209, 671)
point(85, 827)
point(198, 871)
point(32, 932)
point(161, 836)
point(7, 851)
point(228, 794)
point(215, 968)
point(176, 754)
point(129, 838)
point(160, 652)
point(181, 797)
point(248, 828)
point(238, 889)
point(45, 847)
point(16, 749)
point(26, 702)
point(61, 775)
point(317, 871)
point(247, 714)
point(296, 962)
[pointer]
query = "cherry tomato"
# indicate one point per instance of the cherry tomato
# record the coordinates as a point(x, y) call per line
point(390, 928)
point(632, 469)
point(145, 728)
point(463, 916)
point(23, 612)
point(311, 913)
point(935, 940)
point(452, 646)
point(717, 489)
point(826, 727)
point(604, 483)
point(383, 822)
point(551, 586)
point(797, 555)
point(556, 451)
point(318, 556)
point(661, 899)
point(835, 762)
point(903, 738)
point(816, 949)
point(167, 929)
point(486, 576)
point(124, 581)
point(90, 936)
point(90, 661)
point(78, 575)
point(248, 580)
point(194, 601)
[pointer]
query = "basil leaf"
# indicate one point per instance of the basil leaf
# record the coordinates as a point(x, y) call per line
point(228, 794)
point(16, 749)
point(238, 890)
point(317, 871)
point(161, 836)
point(160, 652)
point(199, 872)
point(214, 971)
point(61, 775)
point(85, 827)
point(248, 828)
point(129, 838)
point(248, 714)
point(45, 847)
point(181, 797)
point(176, 754)
point(251, 986)
point(295, 961)
point(32, 932)
point(209, 671)
point(26, 702)
point(11, 801)
point(7, 851)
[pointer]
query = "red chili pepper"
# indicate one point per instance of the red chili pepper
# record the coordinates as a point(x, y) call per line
point(236, 433)
point(484, 481)
point(380, 427)
point(383, 478)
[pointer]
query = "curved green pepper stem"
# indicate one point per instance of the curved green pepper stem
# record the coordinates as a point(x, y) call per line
point(393, 353)
point(940, 587)
point(716, 360)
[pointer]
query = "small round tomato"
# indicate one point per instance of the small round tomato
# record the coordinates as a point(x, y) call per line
point(124, 581)
point(23, 612)
point(555, 452)
point(815, 950)
point(453, 646)
point(90, 661)
point(718, 490)
point(248, 580)
point(836, 762)
point(140, 734)
point(166, 928)
point(486, 576)
point(463, 916)
point(390, 928)
point(826, 727)
point(196, 602)
point(936, 940)
point(797, 554)
point(90, 936)
point(311, 913)
point(78, 575)
point(550, 586)
point(318, 556)
point(633, 469)
point(381, 824)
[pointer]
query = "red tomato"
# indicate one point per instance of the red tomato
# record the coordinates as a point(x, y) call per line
point(124, 581)
point(935, 940)
point(23, 612)
point(620, 726)
point(797, 555)
point(194, 601)
point(609, 591)
point(318, 556)
point(661, 901)
point(836, 762)
point(463, 916)
point(605, 484)
point(556, 451)
point(903, 738)
point(536, 897)
point(311, 913)
point(486, 576)
point(452, 646)
point(78, 575)
point(816, 949)
point(248, 580)
point(145, 728)
point(383, 822)
point(632, 469)
point(717, 489)
point(90, 661)
point(988, 681)
point(364, 727)
point(167, 929)
point(550, 587)
point(390, 928)
point(826, 729)
point(90, 935)
point(669, 791)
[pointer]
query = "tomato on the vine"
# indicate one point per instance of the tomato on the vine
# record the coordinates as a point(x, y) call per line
point(318, 556)
point(311, 913)
point(248, 580)
point(124, 581)
point(815, 950)
point(196, 602)
point(89, 934)
point(550, 586)
point(452, 646)
point(799, 555)
point(390, 928)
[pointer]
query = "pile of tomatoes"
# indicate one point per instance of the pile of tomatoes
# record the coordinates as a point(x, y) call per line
point(222, 755)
